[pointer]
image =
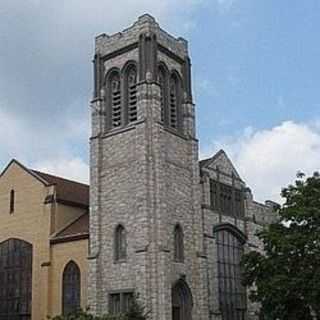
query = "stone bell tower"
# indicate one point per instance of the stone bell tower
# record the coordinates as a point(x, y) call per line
point(145, 224)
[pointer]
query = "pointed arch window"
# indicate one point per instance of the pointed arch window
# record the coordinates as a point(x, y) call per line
point(174, 101)
point(182, 301)
point(120, 243)
point(232, 294)
point(162, 80)
point(178, 244)
point(131, 94)
point(71, 288)
point(114, 89)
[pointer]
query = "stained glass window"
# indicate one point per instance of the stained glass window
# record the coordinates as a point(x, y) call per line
point(71, 288)
point(15, 280)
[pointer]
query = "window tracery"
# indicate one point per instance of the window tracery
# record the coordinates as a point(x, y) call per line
point(232, 294)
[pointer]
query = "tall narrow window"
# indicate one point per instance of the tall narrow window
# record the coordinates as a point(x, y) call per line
point(232, 294)
point(71, 288)
point(173, 118)
point(12, 201)
point(178, 244)
point(115, 96)
point(163, 92)
point(132, 94)
point(120, 243)
point(226, 199)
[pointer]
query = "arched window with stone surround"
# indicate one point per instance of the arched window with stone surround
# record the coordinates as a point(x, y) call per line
point(120, 243)
point(232, 294)
point(182, 301)
point(71, 288)
point(162, 80)
point(130, 76)
point(178, 244)
point(114, 99)
point(174, 100)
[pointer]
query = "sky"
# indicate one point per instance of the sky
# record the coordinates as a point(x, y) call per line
point(255, 68)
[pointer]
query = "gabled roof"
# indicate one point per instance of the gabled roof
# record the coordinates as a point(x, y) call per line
point(31, 172)
point(67, 191)
point(219, 158)
point(77, 229)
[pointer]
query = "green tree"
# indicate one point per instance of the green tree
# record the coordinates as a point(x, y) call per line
point(285, 278)
point(136, 312)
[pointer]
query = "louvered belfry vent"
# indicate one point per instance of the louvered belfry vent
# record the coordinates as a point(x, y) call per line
point(116, 115)
point(173, 103)
point(132, 95)
point(162, 83)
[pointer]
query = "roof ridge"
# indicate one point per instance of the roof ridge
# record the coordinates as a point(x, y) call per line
point(28, 170)
point(58, 177)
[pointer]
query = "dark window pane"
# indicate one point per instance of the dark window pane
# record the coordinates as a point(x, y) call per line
point(178, 244)
point(120, 246)
point(226, 199)
point(126, 301)
point(12, 201)
point(114, 302)
point(163, 92)
point(231, 292)
point(71, 288)
point(120, 302)
point(15, 279)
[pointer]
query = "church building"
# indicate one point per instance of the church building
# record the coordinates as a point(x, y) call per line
point(156, 221)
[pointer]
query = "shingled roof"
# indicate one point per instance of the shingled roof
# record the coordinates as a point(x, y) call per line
point(76, 230)
point(67, 192)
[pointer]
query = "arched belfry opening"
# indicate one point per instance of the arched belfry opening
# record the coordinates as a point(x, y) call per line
point(182, 302)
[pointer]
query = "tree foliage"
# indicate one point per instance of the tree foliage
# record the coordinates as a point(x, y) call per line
point(285, 278)
point(137, 311)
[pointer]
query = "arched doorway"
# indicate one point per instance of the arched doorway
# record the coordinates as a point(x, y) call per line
point(181, 301)
point(15, 280)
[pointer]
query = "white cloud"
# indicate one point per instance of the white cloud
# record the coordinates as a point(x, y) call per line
point(268, 160)
point(74, 169)
point(53, 148)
